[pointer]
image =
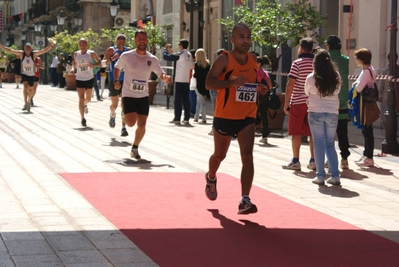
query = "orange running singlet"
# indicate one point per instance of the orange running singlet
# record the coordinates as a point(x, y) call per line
point(237, 103)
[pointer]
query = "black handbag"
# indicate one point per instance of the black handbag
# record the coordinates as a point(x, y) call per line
point(370, 94)
point(274, 102)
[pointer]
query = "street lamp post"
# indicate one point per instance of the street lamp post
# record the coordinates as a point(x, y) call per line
point(113, 9)
point(38, 28)
point(61, 18)
point(390, 144)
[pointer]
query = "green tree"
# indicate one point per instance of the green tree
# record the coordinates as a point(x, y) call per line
point(155, 33)
point(275, 25)
point(68, 43)
point(11, 56)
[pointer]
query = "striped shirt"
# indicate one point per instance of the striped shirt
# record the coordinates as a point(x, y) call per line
point(300, 69)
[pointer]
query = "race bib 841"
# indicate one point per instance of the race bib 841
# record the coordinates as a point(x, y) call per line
point(246, 93)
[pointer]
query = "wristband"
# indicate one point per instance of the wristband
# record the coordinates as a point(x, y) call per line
point(116, 81)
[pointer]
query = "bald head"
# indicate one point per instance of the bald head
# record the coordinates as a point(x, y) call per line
point(239, 27)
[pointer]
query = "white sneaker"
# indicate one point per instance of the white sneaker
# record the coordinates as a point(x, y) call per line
point(263, 140)
point(366, 163)
point(311, 166)
point(361, 159)
point(292, 166)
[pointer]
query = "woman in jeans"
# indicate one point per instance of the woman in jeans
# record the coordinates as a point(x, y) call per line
point(322, 86)
point(201, 69)
point(370, 110)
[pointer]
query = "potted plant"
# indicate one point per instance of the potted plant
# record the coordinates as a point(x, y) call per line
point(68, 44)
point(156, 39)
point(10, 76)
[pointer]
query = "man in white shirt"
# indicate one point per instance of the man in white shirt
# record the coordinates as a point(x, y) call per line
point(53, 66)
point(181, 76)
point(137, 65)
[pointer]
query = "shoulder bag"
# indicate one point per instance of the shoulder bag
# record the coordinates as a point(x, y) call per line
point(370, 94)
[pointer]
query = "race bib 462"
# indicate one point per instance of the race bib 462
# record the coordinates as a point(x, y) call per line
point(246, 93)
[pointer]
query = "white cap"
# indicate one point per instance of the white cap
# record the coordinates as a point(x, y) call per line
point(120, 35)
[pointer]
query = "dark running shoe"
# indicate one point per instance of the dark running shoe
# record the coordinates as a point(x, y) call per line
point(135, 153)
point(246, 207)
point(210, 188)
point(124, 132)
point(111, 121)
point(84, 122)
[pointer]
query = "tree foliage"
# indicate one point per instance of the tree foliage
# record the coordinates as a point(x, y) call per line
point(274, 25)
point(155, 33)
point(68, 43)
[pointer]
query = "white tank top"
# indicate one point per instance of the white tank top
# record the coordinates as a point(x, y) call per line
point(28, 65)
point(83, 70)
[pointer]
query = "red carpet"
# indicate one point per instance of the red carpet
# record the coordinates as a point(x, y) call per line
point(168, 216)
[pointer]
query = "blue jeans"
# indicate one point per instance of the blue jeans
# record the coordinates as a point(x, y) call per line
point(213, 94)
point(54, 76)
point(182, 99)
point(193, 101)
point(201, 106)
point(323, 127)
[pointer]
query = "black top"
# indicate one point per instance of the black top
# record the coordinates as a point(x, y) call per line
point(200, 74)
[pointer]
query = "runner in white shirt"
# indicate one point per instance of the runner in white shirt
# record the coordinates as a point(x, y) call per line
point(83, 63)
point(27, 57)
point(137, 65)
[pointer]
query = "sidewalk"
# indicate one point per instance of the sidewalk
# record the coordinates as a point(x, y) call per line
point(45, 222)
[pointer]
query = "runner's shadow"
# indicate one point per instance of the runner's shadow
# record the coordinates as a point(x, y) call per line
point(141, 163)
point(227, 223)
point(117, 143)
point(84, 129)
point(267, 145)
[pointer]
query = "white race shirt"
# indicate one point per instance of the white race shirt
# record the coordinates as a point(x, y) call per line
point(83, 70)
point(28, 66)
point(137, 72)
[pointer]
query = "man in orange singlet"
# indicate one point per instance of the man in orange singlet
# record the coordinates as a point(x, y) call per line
point(233, 74)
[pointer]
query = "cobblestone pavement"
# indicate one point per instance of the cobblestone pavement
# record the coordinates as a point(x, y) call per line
point(45, 222)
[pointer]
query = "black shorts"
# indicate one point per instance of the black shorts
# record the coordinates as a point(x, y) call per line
point(3, 69)
point(138, 105)
point(17, 71)
point(29, 79)
point(37, 79)
point(112, 90)
point(231, 127)
point(85, 84)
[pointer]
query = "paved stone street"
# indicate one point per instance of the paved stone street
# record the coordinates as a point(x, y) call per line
point(46, 222)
